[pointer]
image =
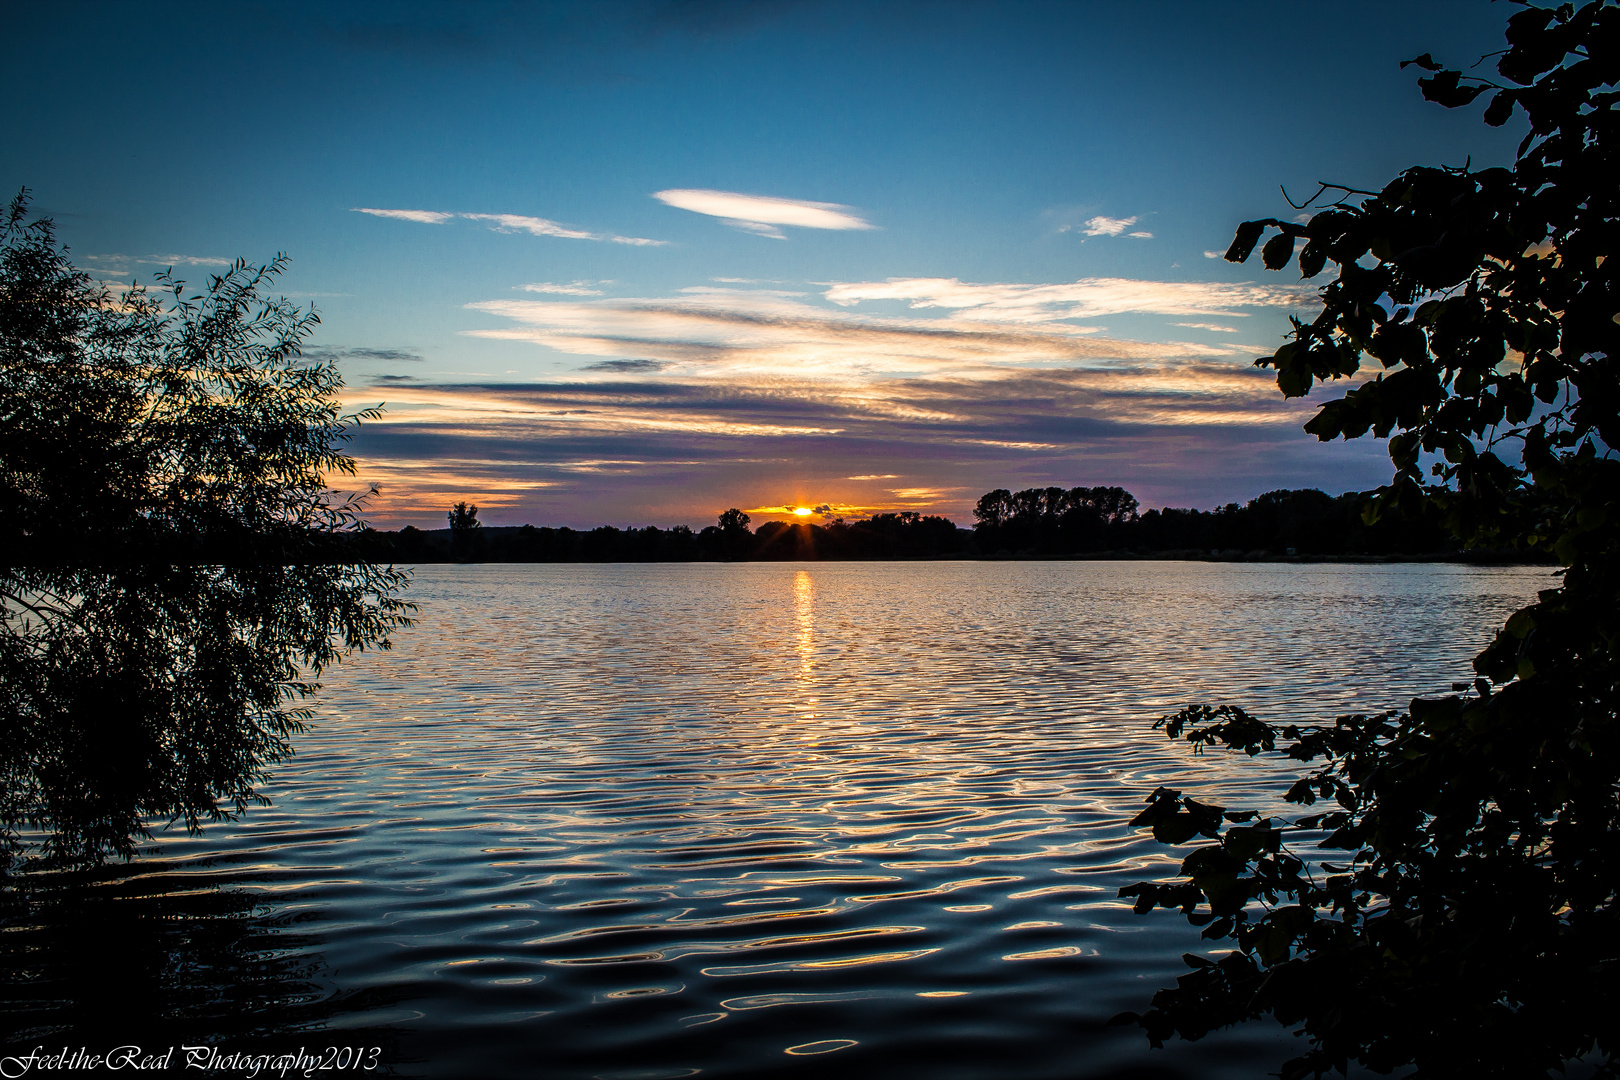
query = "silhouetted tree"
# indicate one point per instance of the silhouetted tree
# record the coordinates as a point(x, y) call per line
point(993, 508)
point(733, 540)
point(464, 523)
point(1054, 520)
point(171, 580)
point(1470, 926)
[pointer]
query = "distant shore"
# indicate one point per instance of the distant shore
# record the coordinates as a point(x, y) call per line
point(1090, 523)
point(806, 543)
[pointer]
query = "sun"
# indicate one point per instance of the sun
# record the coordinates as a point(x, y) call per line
point(802, 511)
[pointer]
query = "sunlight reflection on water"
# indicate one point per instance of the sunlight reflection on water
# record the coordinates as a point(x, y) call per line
point(730, 820)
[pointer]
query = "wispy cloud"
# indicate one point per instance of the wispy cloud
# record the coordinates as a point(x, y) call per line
point(840, 365)
point(426, 217)
point(716, 290)
point(1167, 426)
point(108, 261)
point(573, 288)
point(718, 395)
point(1110, 226)
point(1024, 410)
point(730, 335)
point(1207, 326)
point(509, 223)
point(422, 488)
point(326, 353)
point(922, 494)
point(626, 366)
point(985, 330)
point(534, 226)
point(761, 214)
point(1084, 299)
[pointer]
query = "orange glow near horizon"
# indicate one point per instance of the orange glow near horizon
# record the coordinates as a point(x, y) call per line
point(419, 491)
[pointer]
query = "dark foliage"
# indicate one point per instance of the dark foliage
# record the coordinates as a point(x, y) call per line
point(1306, 523)
point(884, 536)
point(172, 578)
point(465, 540)
point(463, 517)
point(1055, 522)
point(1467, 926)
point(1052, 520)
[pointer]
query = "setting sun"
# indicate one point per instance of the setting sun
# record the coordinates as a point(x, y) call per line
point(802, 511)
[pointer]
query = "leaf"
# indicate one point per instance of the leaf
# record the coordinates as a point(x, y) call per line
point(1245, 842)
point(1177, 829)
point(1281, 929)
point(1295, 380)
point(1162, 803)
point(1227, 894)
point(1442, 89)
point(1278, 250)
point(1347, 360)
point(1243, 243)
point(1311, 259)
point(1426, 62)
point(1525, 25)
point(1500, 110)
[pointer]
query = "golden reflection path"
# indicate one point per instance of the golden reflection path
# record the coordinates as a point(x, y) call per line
point(804, 611)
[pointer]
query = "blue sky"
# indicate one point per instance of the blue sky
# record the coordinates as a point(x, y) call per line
point(635, 263)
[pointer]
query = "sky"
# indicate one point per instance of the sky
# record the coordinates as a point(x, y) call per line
point(635, 263)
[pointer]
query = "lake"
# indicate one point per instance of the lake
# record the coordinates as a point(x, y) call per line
point(667, 820)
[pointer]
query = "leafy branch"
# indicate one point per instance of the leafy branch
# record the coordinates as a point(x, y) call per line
point(1474, 927)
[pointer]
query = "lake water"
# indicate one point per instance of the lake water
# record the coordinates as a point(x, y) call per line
point(638, 821)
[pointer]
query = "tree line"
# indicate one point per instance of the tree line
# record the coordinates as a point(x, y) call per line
point(1047, 522)
point(883, 536)
point(1087, 520)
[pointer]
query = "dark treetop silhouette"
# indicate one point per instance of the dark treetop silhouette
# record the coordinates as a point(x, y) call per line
point(171, 584)
point(1468, 926)
point(1035, 523)
point(463, 519)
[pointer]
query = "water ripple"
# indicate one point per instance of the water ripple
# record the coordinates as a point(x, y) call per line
point(660, 821)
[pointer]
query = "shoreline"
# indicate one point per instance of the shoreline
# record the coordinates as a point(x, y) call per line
point(1482, 558)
